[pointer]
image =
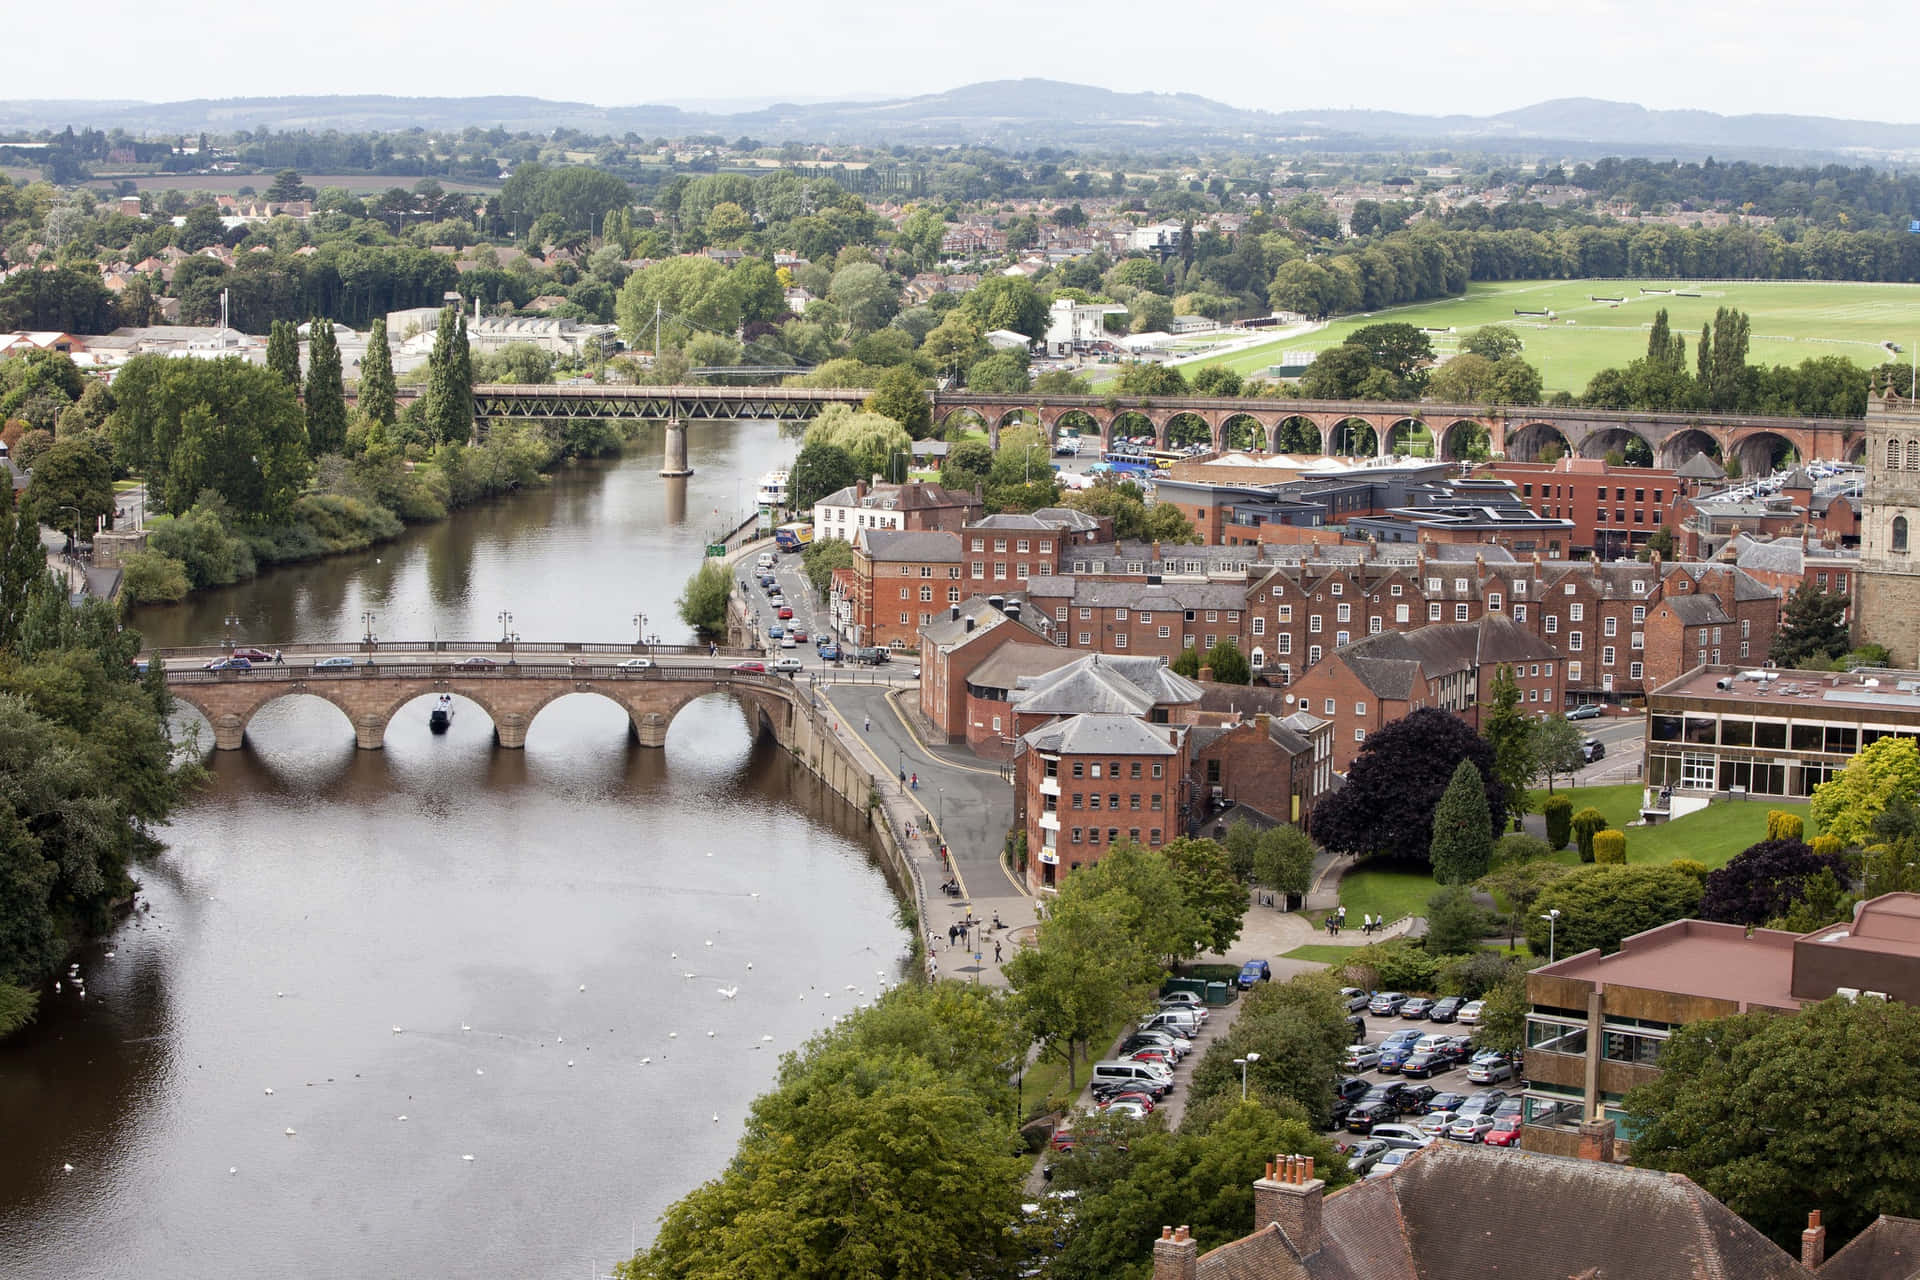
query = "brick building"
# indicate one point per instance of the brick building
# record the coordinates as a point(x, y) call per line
point(1142, 687)
point(1268, 769)
point(1005, 551)
point(1614, 509)
point(901, 581)
point(966, 638)
point(1373, 682)
point(1084, 782)
point(914, 506)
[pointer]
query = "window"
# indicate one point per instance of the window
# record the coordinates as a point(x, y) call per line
point(1576, 612)
point(1553, 624)
point(1433, 586)
point(999, 544)
point(1606, 655)
point(1340, 639)
point(1569, 589)
point(1166, 633)
point(1360, 708)
point(1893, 455)
point(1146, 615)
point(1576, 641)
point(1359, 735)
point(1212, 640)
point(1335, 589)
point(1086, 638)
point(953, 595)
point(1076, 835)
point(1094, 770)
point(1119, 615)
point(1078, 768)
point(1519, 613)
point(1460, 612)
point(1573, 670)
point(999, 570)
point(1120, 640)
point(926, 595)
point(1286, 613)
point(1313, 654)
point(1283, 643)
point(1493, 600)
point(1133, 802)
point(1343, 613)
point(1332, 707)
point(1610, 626)
point(1636, 670)
point(1373, 625)
point(1086, 614)
point(1077, 800)
point(1259, 625)
point(1433, 611)
point(1900, 534)
point(1400, 613)
point(1639, 614)
point(1020, 547)
point(1395, 590)
point(1093, 800)
point(926, 571)
point(1638, 640)
point(1638, 586)
point(979, 568)
point(903, 619)
point(1313, 624)
point(1460, 586)
point(1520, 587)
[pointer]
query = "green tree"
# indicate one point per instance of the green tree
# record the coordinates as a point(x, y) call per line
point(867, 295)
point(1462, 835)
point(1813, 628)
point(326, 401)
point(1885, 775)
point(968, 464)
point(1228, 664)
point(1610, 847)
point(1003, 371)
point(149, 577)
point(1395, 785)
point(1503, 1018)
point(1493, 342)
point(1283, 859)
point(1659, 543)
point(71, 487)
point(1455, 923)
point(1402, 351)
point(1007, 302)
point(818, 470)
point(956, 344)
point(376, 399)
point(1557, 743)
point(1085, 969)
point(1144, 378)
point(1600, 905)
point(283, 352)
point(901, 394)
point(287, 187)
point(703, 602)
point(1558, 811)
point(1209, 887)
point(1299, 1029)
point(821, 557)
point(877, 445)
point(1510, 732)
point(1517, 885)
point(1586, 823)
point(448, 403)
point(1746, 1107)
point(687, 293)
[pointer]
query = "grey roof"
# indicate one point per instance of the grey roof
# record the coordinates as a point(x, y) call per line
point(1392, 663)
point(1889, 1249)
point(1158, 595)
point(1068, 518)
point(1745, 585)
point(916, 545)
point(1798, 478)
point(1103, 682)
point(1700, 467)
point(1698, 611)
point(1100, 733)
point(1776, 555)
point(1006, 666)
point(1012, 520)
point(948, 630)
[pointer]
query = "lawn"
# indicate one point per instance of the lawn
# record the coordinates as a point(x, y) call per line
point(1791, 321)
point(1710, 837)
point(1321, 953)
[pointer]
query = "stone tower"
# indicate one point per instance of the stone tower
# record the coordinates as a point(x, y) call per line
point(1887, 607)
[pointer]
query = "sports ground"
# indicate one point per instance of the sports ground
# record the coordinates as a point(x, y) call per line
point(1791, 321)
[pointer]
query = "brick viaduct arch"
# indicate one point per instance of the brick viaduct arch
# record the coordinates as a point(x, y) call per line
point(1518, 432)
point(371, 697)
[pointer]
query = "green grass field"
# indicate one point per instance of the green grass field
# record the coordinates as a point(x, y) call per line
point(1791, 322)
point(1710, 837)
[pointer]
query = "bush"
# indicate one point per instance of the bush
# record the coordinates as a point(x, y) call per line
point(1585, 824)
point(1782, 825)
point(200, 540)
point(1763, 881)
point(148, 577)
point(1398, 966)
point(703, 605)
point(1610, 847)
point(1474, 975)
point(1517, 847)
point(1698, 870)
point(1455, 922)
point(1558, 811)
point(1828, 846)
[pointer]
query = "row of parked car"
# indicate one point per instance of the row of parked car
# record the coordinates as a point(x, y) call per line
point(1141, 1074)
point(1410, 1116)
point(1397, 1004)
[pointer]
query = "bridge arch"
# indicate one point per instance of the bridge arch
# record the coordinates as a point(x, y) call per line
point(1079, 420)
point(1187, 428)
point(1530, 441)
point(1298, 434)
point(1687, 442)
point(1759, 452)
point(1131, 423)
point(1461, 439)
point(1856, 450)
point(1409, 437)
point(1243, 431)
point(961, 418)
point(1635, 449)
point(1353, 438)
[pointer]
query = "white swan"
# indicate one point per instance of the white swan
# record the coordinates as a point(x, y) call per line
point(729, 992)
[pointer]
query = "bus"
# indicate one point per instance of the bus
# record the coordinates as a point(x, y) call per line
point(792, 537)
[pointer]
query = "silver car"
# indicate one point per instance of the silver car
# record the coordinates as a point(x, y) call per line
point(1469, 1128)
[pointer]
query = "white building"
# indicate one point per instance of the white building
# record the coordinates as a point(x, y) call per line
point(1074, 326)
point(1159, 237)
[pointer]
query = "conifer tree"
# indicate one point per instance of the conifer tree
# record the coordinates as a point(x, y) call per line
point(449, 409)
point(1462, 828)
point(376, 376)
point(283, 352)
point(326, 398)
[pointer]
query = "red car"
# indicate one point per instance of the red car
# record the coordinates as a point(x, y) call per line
point(798, 633)
point(1161, 1056)
point(253, 655)
point(1505, 1132)
point(760, 667)
point(785, 612)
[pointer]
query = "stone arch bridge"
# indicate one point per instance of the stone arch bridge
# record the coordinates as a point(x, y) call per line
point(511, 693)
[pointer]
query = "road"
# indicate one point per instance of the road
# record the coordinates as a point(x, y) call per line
point(1624, 738)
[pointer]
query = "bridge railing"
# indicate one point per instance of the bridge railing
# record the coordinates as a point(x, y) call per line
point(532, 670)
point(328, 648)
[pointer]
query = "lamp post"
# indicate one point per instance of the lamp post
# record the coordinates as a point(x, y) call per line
point(506, 625)
point(1242, 1064)
point(639, 628)
point(73, 535)
point(1552, 918)
point(367, 619)
point(232, 620)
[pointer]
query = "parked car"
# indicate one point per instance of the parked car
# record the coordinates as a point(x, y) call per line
point(788, 642)
point(759, 667)
point(1505, 1132)
point(1127, 1107)
point(1394, 1056)
point(776, 631)
point(252, 654)
point(1593, 749)
point(1434, 1123)
point(872, 656)
point(635, 664)
point(1385, 1003)
point(1585, 711)
point(1181, 1022)
point(1183, 1000)
point(227, 664)
point(1413, 1098)
point(1254, 971)
point(1469, 1014)
point(1489, 1068)
point(1417, 1008)
point(1446, 1009)
point(1427, 1063)
point(1356, 999)
point(1470, 1128)
point(1362, 1156)
point(830, 652)
point(1444, 1101)
point(1404, 1136)
point(1486, 1102)
point(1388, 1163)
point(1155, 1053)
point(787, 666)
point(1365, 1115)
point(333, 664)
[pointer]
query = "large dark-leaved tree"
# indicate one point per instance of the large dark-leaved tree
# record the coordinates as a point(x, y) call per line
point(1813, 627)
point(1765, 880)
point(1387, 804)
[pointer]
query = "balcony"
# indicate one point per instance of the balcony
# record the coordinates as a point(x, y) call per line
point(1049, 822)
point(1049, 786)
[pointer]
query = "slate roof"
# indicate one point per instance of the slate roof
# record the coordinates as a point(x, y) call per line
point(1102, 682)
point(1889, 1249)
point(1778, 555)
point(1011, 663)
point(1698, 611)
point(1700, 467)
point(1393, 663)
point(1543, 1217)
point(947, 630)
point(1159, 595)
point(1100, 733)
point(1745, 585)
point(930, 545)
point(1068, 518)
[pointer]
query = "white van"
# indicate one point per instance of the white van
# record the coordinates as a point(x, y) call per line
point(766, 560)
point(1152, 1076)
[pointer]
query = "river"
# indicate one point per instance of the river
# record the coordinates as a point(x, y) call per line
point(521, 953)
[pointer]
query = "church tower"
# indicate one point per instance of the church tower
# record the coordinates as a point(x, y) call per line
point(1887, 606)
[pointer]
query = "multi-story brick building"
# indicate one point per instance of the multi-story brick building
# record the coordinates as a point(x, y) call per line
point(1373, 682)
point(1086, 782)
point(957, 645)
point(1005, 551)
point(901, 581)
point(913, 506)
point(1269, 769)
point(1104, 683)
point(1614, 509)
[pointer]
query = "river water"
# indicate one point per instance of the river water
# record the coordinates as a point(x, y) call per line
point(548, 930)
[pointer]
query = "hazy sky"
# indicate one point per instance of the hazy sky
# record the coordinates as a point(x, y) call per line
point(1835, 58)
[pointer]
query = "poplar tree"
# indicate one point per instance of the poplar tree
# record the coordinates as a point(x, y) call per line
point(376, 376)
point(326, 398)
point(283, 352)
point(449, 408)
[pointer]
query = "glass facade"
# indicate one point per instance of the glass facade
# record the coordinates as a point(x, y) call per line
point(1759, 755)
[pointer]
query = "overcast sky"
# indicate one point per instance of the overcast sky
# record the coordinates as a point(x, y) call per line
point(1837, 58)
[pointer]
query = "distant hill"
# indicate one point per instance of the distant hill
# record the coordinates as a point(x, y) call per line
point(1035, 113)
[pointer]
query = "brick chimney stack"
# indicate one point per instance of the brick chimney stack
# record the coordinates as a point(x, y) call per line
point(1175, 1255)
point(1596, 1141)
point(1813, 1243)
point(1290, 1195)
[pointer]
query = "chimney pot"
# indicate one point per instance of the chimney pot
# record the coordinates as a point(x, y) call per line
point(1292, 1198)
point(1813, 1242)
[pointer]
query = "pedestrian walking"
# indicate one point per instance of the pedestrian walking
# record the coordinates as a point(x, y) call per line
point(996, 951)
point(867, 725)
point(1343, 917)
point(915, 784)
point(953, 931)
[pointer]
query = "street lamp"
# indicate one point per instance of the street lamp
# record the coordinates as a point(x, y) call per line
point(232, 620)
point(1552, 918)
point(1242, 1064)
point(366, 622)
point(506, 625)
point(639, 628)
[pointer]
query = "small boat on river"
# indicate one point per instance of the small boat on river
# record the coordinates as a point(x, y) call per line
point(442, 717)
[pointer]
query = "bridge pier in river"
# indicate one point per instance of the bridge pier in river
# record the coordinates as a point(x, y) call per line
point(675, 463)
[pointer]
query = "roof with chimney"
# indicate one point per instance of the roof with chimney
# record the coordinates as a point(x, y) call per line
point(1889, 1249)
point(1543, 1217)
point(974, 618)
point(1103, 682)
point(1698, 611)
point(915, 545)
point(1012, 663)
point(1393, 663)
